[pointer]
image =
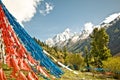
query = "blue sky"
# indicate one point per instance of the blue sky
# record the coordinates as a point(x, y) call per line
point(71, 14)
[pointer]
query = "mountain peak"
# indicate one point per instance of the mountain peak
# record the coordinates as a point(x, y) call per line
point(67, 30)
point(88, 27)
point(60, 38)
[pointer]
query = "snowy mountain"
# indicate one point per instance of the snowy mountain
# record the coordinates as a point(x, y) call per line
point(111, 18)
point(75, 42)
point(60, 39)
point(67, 37)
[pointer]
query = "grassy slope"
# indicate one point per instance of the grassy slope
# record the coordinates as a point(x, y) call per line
point(83, 76)
point(70, 76)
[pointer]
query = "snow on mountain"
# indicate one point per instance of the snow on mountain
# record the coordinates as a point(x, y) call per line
point(111, 18)
point(50, 42)
point(63, 36)
point(60, 39)
point(67, 36)
point(88, 28)
point(75, 38)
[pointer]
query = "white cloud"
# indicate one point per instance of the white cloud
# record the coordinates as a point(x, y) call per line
point(111, 18)
point(23, 10)
point(48, 8)
point(88, 27)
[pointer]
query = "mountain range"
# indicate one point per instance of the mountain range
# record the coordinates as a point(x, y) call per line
point(75, 42)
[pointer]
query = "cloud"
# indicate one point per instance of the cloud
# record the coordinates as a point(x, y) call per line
point(48, 8)
point(23, 10)
point(111, 17)
point(88, 27)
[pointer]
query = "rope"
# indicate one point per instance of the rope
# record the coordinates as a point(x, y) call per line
point(59, 63)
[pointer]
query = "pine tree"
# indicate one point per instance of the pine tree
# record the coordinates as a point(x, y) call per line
point(87, 58)
point(64, 52)
point(99, 46)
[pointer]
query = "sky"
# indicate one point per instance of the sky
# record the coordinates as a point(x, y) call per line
point(44, 19)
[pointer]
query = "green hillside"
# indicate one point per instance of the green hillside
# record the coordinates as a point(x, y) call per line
point(114, 34)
